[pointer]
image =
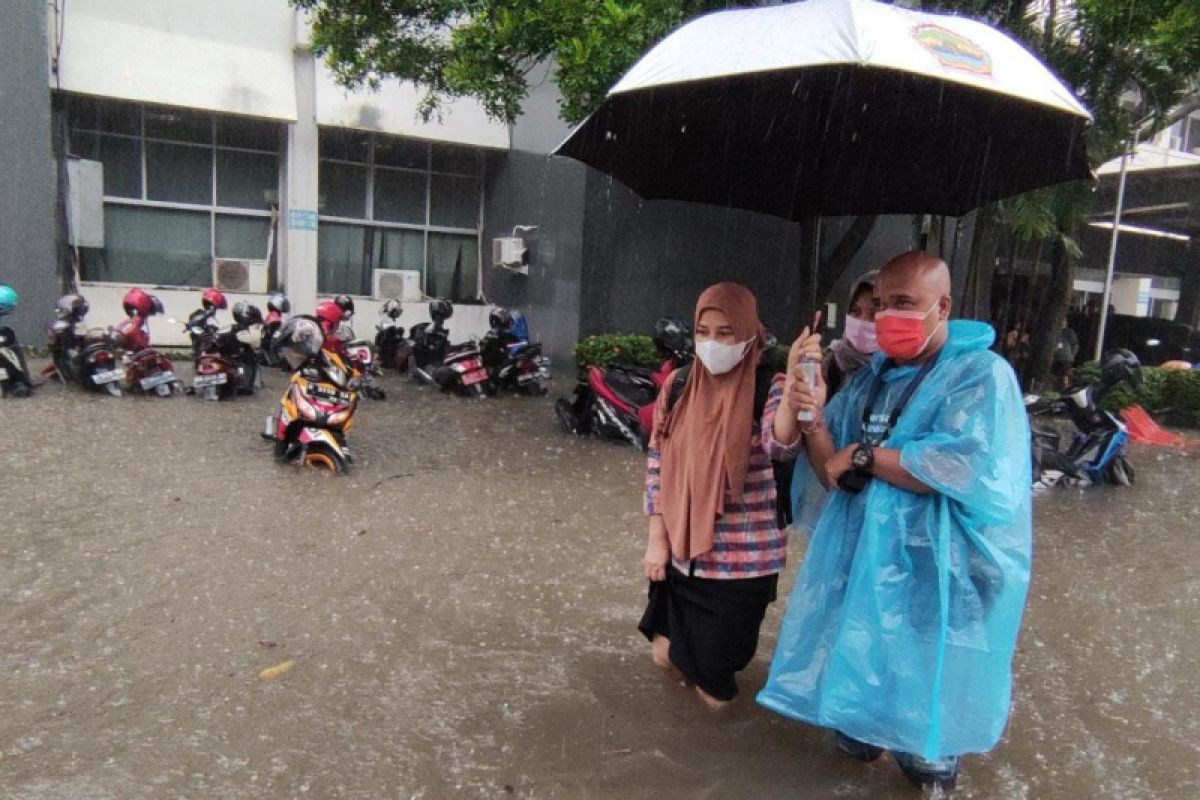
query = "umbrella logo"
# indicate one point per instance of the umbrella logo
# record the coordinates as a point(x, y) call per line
point(952, 50)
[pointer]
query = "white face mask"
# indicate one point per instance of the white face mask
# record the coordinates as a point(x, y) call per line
point(719, 358)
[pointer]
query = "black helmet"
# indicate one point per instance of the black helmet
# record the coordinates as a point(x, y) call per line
point(499, 319)
point(245, 314)
point(391, 308)
point(278, 302)
point(1120, 365)
point(71, 306)
point(156, 306)
point(346, 304)
point(672, 336)
point(300, 339)
point(440, 310)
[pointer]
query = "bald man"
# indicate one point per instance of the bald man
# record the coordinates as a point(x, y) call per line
point(901, 626)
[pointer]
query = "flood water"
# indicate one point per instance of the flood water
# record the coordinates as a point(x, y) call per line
point(459, 615)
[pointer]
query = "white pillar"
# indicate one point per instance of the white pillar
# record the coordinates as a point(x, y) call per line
point(298, 256)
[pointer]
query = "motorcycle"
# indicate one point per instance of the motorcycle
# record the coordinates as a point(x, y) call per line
point(146, 369)
point(363, 361)
point(1096, 453)
point(617, 402)
point(457, 367)
point(394, 350)
point(277, 306)
point(317, 408)
point(89, 359)
point(226, 361)
point(512, 362)
point(14, 372)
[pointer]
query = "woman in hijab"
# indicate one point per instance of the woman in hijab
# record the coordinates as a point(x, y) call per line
point(714, 549)
point(846, 355)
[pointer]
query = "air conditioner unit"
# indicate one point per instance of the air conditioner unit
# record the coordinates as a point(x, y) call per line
point(396, 284)
point(510, 253)
point(240, 275)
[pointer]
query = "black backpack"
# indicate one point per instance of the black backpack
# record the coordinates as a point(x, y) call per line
point(763, 377)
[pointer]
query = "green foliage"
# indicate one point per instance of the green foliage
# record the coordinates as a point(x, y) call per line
point(1171, 395)
point(776, 357)
point(603, 349)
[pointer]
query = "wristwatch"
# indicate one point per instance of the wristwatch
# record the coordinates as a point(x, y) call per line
point(863, 458)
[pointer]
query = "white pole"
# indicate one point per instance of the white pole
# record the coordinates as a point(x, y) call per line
point(1126, 152)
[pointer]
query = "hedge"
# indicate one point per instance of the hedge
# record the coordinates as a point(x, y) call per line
point(1172, 395)
point(603, 349)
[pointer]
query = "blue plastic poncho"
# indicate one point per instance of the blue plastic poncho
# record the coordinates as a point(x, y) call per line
point(901, 627)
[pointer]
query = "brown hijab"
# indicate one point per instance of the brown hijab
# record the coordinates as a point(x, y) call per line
point(705, 439)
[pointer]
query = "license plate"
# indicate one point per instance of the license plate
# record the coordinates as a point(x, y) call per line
point(216, 379)
point(472, 378)
point(157, 380)
point(107, 376)
point(328, 395)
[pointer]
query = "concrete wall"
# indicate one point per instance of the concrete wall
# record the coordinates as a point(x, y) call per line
point(27, 194)
point(530, 189)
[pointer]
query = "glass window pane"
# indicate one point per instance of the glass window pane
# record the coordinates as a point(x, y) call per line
point(343, 190)
point(393, 249)
point(242, 237)
point(179, 125)
point(253, 134)
point(341, 259)
point(454, 202)
point(153, 246)
point(343, 144)
point(245, 179)
point(457, 159)
point(400, 196)
point(122, 166)
point(117, 117)
point(178, 173)
point(453, 267)
point(393, 151)
point(82, 112)
point(84, 145)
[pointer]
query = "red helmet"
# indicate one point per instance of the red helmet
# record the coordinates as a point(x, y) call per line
point(213, 298)
point(138, 303)
point(329, 314)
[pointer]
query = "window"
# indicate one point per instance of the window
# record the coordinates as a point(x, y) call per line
point(389, 202)
point(1191, 134)
point(180, 188)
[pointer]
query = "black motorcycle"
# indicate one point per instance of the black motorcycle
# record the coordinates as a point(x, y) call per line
point(14, 372)
point(1096, 453)
point(225, 361)
point(514, 364)
point(88, 360)
point(394, 350)
point(458, 368)
point(277, 306)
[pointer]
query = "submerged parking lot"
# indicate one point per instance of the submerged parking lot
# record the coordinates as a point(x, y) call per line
point(455, 617)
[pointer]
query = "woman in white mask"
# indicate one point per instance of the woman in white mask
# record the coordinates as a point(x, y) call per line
point(714, 549)
point(845, 357)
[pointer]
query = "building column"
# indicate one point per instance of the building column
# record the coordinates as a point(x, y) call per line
point(298, 255)
point(1189, 290)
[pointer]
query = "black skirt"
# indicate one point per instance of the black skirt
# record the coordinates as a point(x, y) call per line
point(712, 624)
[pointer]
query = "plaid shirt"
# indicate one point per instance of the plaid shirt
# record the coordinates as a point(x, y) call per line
point(747, 541)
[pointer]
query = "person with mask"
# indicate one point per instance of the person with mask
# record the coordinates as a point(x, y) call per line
point(844, 358)
point(901, 627)
point(714, 549)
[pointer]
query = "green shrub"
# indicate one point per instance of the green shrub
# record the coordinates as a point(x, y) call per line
point(776, 357)
point(603, 349)
point(1171, 395)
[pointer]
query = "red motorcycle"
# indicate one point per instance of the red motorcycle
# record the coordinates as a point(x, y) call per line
point(617, 402)
point(226, 362)
point(146, 369)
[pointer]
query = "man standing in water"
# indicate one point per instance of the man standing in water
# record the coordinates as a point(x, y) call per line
point(903, 620)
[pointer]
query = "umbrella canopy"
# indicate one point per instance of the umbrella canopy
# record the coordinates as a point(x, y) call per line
point(832, 107)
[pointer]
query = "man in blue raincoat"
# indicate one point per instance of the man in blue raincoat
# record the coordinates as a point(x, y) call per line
point(902, 623)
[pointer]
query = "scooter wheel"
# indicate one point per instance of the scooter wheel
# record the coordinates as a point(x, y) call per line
point(324, 458)
point(566, 416)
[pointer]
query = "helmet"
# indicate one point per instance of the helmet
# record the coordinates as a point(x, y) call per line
point(499, 319)
point(245, 314)
point(672, 336)
point(344, 302)
point(138, 302)
point(278, 302)
point(391, 308)
point(1120, 365)
point(156, 306)
point(440, 310)
point(71, 306)
point(212, 298)
point(8, 299)
point(328, 314)
point(300, 339)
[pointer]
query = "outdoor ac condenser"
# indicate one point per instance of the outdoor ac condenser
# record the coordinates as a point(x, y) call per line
point(396, 284)
point(510, 253)
point(240, 275)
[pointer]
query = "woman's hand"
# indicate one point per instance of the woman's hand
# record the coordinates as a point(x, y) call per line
point(802, 396)
point(807, 347)
point(658, 550)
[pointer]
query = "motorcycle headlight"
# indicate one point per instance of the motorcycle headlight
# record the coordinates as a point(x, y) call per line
point(306, 409)
point(339, 418)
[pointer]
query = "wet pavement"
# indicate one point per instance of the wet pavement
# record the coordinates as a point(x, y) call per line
point(459, 615)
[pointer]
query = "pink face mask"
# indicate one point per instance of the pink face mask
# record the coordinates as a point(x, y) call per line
point(861, 335)
point(901, 334)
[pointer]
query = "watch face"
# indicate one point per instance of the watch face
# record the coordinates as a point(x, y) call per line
point(861, 458)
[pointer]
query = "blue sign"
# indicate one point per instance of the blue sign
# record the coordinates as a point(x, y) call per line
point(300, 219)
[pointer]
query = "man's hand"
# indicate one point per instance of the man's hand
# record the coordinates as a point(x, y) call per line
point(839, 464)
point(658, 550)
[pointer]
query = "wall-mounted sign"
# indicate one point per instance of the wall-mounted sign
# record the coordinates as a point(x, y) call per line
point(300, 219)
